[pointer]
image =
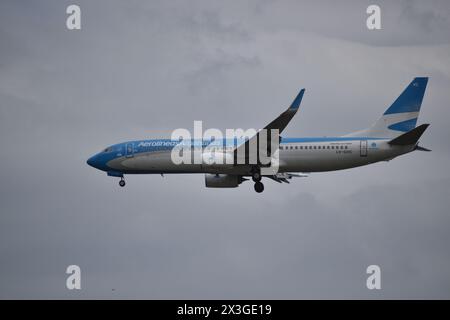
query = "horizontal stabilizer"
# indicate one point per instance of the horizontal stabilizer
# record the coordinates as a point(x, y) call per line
point(421, 148)
point(411, 137)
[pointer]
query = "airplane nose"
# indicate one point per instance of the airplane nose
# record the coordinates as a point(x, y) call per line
point(92, 161)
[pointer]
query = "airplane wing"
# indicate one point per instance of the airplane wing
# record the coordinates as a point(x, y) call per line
point(279, 123)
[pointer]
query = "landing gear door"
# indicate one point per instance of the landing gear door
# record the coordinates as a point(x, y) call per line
point(363, 150)
point(129, 150)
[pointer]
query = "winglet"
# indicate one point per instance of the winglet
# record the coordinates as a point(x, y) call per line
point(296, 103)
point(283, 119)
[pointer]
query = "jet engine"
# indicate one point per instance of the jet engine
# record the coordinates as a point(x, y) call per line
point(222, 180)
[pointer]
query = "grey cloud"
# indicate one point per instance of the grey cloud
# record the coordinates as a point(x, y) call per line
point(140, 69)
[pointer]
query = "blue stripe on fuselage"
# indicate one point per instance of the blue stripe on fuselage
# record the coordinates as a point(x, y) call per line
point(141, 146)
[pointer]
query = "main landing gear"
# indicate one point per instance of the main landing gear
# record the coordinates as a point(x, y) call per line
point(256, 177)
point(259, 187)
point(122, 182)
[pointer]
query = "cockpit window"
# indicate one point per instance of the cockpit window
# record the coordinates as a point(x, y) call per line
point(109, 149)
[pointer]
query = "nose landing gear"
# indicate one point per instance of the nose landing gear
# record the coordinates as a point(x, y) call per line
point(122, 182)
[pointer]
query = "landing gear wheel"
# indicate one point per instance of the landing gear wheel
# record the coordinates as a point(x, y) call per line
point(256, 176)
point(259, 187)
point(122, 183)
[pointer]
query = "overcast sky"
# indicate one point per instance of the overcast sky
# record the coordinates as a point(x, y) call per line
point(139, 69)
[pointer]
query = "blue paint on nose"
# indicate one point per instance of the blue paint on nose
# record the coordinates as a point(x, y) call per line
point(100, 160)
point(94, 162)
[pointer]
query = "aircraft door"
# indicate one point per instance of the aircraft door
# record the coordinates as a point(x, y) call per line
point(129, 150)
point(363, 149)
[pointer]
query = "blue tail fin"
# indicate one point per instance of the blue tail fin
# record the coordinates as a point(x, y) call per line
point(402, 115)
point(411, 98)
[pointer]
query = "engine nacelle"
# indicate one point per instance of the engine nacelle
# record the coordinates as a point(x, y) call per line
point(222, 180)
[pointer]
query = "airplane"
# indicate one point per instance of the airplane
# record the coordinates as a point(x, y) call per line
point(393, 134)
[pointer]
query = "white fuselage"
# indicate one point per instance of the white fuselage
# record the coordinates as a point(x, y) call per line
point(306, 156)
